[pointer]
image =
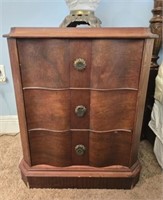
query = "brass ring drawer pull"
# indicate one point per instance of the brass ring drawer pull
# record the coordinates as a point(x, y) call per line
point(80, 110)
point(80, 64)
point(80, 149)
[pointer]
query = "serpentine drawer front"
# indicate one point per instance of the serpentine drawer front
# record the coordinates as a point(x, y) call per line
point(80, 95)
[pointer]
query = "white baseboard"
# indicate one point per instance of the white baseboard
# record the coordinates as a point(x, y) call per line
point(9, 125)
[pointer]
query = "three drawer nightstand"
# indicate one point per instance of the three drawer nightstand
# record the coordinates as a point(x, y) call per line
point(80, 96)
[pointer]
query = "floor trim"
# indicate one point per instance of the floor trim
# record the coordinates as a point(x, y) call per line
point(9, 125)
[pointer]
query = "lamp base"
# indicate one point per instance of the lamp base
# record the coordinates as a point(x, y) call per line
point(78, 17)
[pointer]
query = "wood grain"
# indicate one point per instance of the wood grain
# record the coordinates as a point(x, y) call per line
point(108, 149)
point(81, 33)
point(50, 148)
point(51, 69)
point(80, 97)
point(47, 109)
point(19, 98)
point(112, 110)
point(146, 61)
point(80, 49)
point(112, 88)
point(80, 137)
point(113, 63)
point(118, 177)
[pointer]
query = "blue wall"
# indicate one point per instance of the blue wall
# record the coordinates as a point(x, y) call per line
point(38, 13)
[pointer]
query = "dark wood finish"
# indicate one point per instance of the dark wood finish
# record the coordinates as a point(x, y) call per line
point(156, 27)
point(80, 49)
point(80, 33)
point(112, 89)
point(80, 137)
point(106, 116)
point(80, 97)
point(47, 148)
point(82, 183)
point(113, 151)
point(118, 177)
point(19, 99)
point(144, 75)
point(50, 70)
point(47, 109)
point(113, 63)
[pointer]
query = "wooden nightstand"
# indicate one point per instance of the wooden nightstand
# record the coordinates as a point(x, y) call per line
point(80, 96)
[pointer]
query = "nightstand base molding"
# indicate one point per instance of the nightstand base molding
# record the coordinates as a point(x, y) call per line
point(90, 177)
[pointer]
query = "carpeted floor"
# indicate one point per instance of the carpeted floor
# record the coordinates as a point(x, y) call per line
point(150, 186)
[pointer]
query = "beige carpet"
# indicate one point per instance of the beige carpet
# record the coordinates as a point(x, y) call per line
point(150, 186)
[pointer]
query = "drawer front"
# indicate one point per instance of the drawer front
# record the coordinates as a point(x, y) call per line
point(112, 110)
point(63, 149)
point(112, 148)
point(116, 63)
point(59, 149)
point(80, 63)
point(51, 148)
point(108, 64)
point(47, 109)
point(80, 147)
point(43, 62)
point(80, 99)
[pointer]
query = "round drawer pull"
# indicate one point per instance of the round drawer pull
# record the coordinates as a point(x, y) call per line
point(80, 64)
point(80, 110)
point(80, 149)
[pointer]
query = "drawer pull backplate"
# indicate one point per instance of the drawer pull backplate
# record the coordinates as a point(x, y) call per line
point(80, 64)
point(80, 149)
point(80, 110)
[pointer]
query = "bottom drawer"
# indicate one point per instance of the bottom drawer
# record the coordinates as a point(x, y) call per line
point(51, 148)
point(111, 148)
point(69, 148)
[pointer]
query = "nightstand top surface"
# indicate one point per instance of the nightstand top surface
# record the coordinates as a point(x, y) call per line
point(24, 32)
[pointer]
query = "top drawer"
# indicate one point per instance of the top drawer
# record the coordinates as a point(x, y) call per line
point(44, 62)
point(51, 62)
point(110, 63)
point(116, 63)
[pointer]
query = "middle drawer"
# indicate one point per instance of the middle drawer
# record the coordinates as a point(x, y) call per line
point(57, 110)
point(80, 109)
